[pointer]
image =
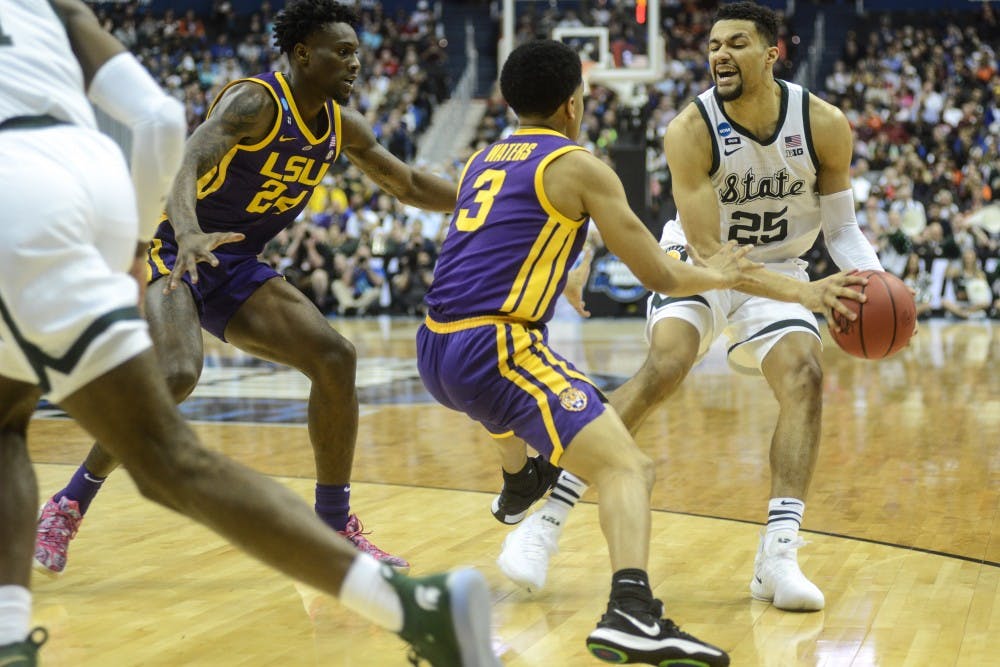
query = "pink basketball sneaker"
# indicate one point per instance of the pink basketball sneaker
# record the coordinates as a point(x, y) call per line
point(355, 532)
point(58, 523)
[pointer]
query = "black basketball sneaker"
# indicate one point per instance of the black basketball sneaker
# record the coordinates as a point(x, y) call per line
point(636, 636)
point(521, 490)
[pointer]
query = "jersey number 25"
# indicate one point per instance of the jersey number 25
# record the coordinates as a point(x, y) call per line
point(755, 228)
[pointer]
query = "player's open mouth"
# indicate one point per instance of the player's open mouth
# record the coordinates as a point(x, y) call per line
point(724, 75)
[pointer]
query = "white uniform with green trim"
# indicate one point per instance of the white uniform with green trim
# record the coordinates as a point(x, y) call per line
point(767, 196)
point(67, 310)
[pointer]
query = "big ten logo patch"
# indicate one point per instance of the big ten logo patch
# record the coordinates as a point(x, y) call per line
point(793, 146)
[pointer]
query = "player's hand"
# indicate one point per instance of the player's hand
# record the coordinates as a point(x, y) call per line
point(138, 271)
point(823, 296)
point(194, 247)
point(577, 279)
point(729, 261)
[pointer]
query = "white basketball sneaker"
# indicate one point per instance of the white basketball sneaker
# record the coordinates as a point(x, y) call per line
point(777, 578)
point(524, 557)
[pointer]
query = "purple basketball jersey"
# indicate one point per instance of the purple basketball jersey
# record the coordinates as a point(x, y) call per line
point(259, 189)
point(508, 250)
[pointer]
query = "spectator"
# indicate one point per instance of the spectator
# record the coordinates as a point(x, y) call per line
point(967, 292)
point(917, 278)
point(309, 260)
point(874, 222)
point(410, 284)
point(860, 183)
point(360, 285)
point(912, 213)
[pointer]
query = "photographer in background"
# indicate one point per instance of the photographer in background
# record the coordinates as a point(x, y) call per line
point(360, 284)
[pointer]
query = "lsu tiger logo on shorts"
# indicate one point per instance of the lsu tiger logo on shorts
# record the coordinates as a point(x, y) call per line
point(573, 399)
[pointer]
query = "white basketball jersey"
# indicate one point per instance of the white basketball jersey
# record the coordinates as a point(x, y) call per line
point(38, 72)
point(766, 187)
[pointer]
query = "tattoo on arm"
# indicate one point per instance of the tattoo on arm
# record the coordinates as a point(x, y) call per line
point(243, 115)
point(239, 119)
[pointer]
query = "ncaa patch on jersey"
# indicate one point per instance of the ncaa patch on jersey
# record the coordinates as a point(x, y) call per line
point(724, 129)
point(572, 399)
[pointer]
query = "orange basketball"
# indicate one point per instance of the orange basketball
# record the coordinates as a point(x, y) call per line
point(885, 322)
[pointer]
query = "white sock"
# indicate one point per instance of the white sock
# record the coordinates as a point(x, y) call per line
point(367, 592)
point(784, 514)
point(15, 614)
point(568, 490)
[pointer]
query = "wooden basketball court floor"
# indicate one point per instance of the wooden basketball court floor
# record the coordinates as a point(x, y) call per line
point(903, 520)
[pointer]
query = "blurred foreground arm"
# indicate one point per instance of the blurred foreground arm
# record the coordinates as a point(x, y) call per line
point(120, 86)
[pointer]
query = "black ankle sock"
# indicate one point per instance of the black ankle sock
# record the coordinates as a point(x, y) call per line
point(523, 481)
point(630, 588)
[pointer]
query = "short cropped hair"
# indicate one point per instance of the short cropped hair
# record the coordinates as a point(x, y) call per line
point(539, 76)
point(763, 18)
point(302, 18)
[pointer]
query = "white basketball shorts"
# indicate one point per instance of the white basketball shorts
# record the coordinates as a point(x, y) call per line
point(752, 324)
point(68, 309)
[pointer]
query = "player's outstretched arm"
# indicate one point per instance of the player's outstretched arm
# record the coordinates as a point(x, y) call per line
point(92, 44)
point(410, 186)
point(119, 85)
point(580, 185)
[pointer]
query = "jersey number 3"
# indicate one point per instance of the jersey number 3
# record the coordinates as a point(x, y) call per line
point(487, 186)
point(756, 228)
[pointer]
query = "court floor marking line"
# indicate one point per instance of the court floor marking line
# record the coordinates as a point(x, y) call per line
point(842, 536)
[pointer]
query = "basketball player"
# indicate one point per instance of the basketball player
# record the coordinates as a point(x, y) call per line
point(519, 224)
point(70, 330)
point(772, 162)
point(248, 171)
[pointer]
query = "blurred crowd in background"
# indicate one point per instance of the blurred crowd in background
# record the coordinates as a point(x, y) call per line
point(922, 93)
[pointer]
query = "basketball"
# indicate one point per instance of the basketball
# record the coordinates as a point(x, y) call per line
point(885, 322)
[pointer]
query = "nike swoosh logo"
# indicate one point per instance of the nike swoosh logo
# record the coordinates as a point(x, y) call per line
point(427, 597)
point(284, 138)
point(647, 629)
point(728, 152)
point(759, 580)
point(790, 502)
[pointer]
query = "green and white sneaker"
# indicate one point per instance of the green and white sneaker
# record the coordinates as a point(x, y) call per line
point(446, 618)
point(24, 654)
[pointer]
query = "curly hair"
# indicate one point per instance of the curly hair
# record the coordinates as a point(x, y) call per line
point(302, 18)
point(763, 18)
point(540, 75)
